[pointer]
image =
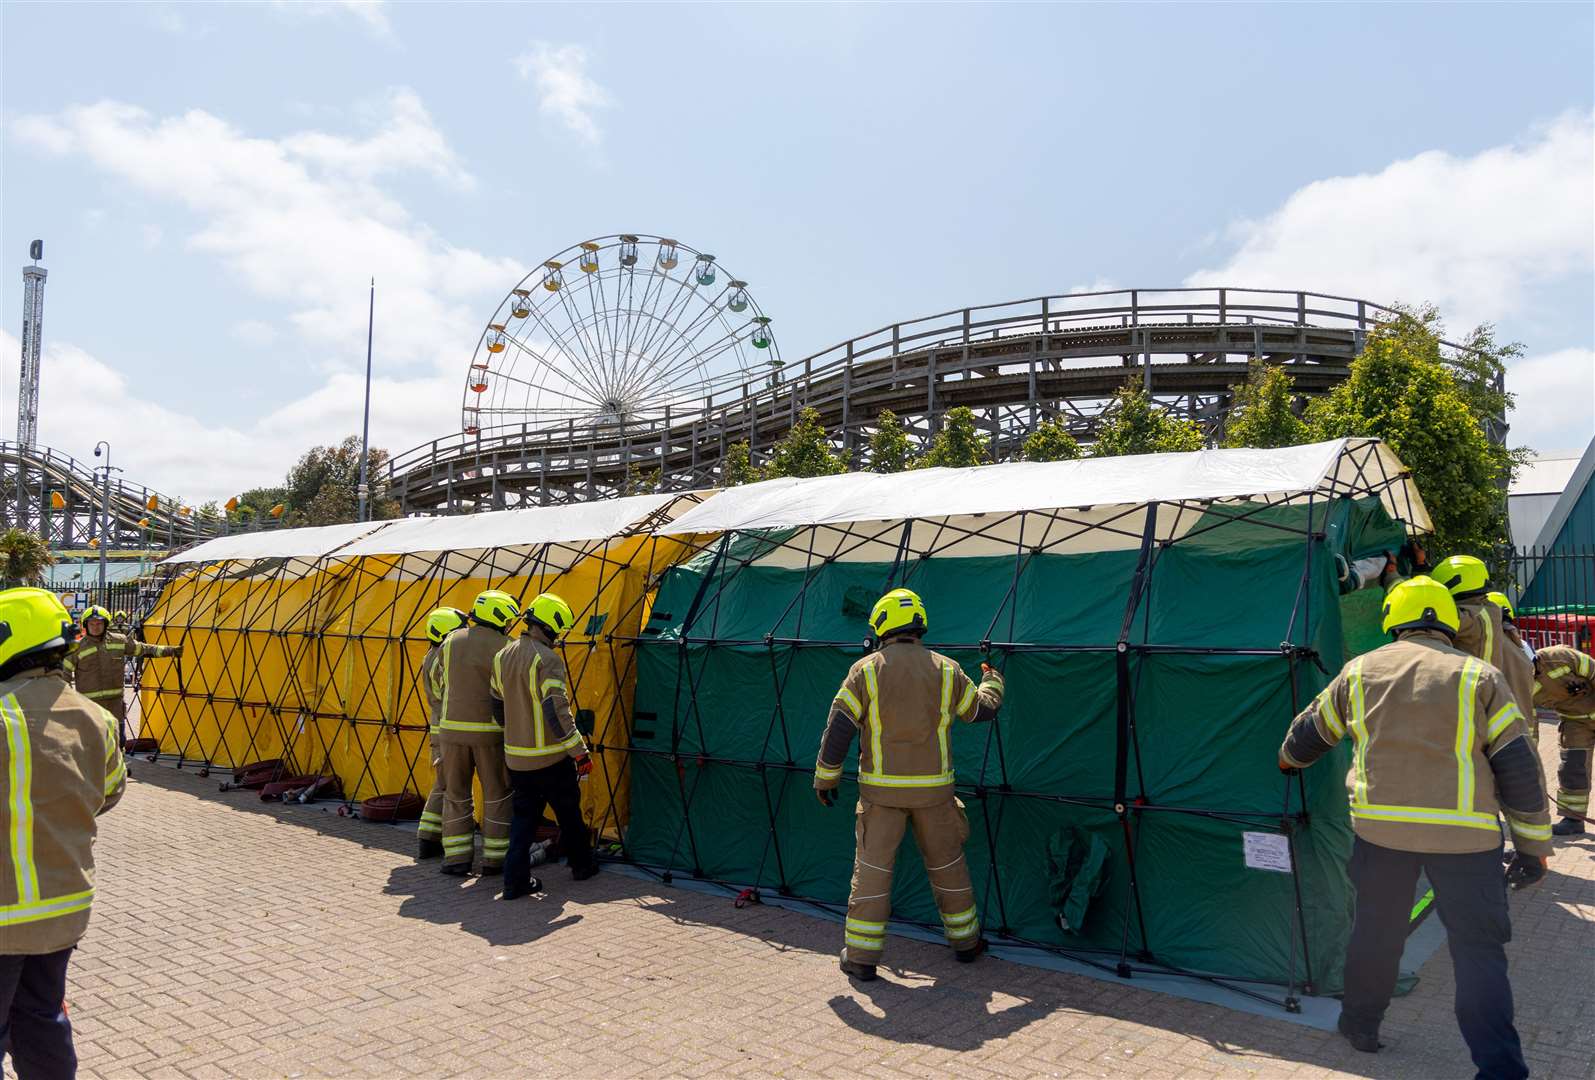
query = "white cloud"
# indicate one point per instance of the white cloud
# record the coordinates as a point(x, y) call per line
point(303, 220)
point(162, 447)
point(1474, 235)
point(371, 14)
point(1555, 400)
point(565, 91)
point(1478, 236)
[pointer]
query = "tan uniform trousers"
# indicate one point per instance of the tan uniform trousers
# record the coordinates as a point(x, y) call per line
point(431, 827)
point(1572, 779)
point(485, 763)
point(940, 832)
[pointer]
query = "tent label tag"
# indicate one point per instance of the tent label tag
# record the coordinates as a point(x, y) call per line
point(1267, 851)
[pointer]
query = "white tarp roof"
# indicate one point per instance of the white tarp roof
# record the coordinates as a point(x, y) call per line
point(1206, 475)
point(571, 523)
point(311, 543)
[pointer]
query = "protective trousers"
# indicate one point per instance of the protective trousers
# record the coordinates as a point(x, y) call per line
point(431, 827)
point(1470, 894)
point(1572, 779)
point(33, 1021)
point(484, 762)
point(940, 832)
point(555, 787)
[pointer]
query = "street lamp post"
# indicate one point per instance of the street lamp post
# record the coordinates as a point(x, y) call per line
point(105, 508)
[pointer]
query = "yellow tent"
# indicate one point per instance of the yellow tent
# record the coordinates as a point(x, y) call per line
point(306, 644)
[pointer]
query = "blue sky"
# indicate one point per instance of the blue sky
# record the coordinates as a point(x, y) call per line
point(216, 184)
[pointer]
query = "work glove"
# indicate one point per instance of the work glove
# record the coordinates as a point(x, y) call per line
point(1287, 768)
point(584, 767)
point(827, 796)
point(1525, 870)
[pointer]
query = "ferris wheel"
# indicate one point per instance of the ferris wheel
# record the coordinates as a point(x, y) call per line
point(613, 333)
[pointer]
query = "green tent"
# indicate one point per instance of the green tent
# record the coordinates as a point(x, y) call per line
point(1159, 620)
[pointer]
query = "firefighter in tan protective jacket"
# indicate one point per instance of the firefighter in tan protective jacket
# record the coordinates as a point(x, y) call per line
point(1483, 630)
point(472, 737)
point(439, 624)
point(901, 700)
point(1440, 750)
point(98, 664)
point(1565, 682)
point(60, 767)
point(546, 755)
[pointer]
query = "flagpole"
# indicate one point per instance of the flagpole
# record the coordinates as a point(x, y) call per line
point(364, 491)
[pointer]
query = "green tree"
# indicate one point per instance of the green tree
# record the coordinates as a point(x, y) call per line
point(1403, 390)
point(1261, 415)
point(890, 450)
point(737, 467)
point(322, 485)
point(1131, 424)
point(1050, 441)
point(640, 481)
point(958, 445)
point(256, 503)
point(805, 451)
point(24, 556)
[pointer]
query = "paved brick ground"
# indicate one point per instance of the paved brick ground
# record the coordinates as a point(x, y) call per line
point(232, 939)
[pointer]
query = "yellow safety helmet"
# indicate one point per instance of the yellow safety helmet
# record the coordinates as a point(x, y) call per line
point(900, 609)
point(443, 622)
point(1464, 575)
point(120, 616)
point(1420, 603)
point(496, 609)
point(96, 612)
point(551, 613)
point(1499, 600)
point(32, 620)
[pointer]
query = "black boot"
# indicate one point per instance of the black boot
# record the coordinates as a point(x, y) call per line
point(969, 956)
point(427, 848)
point(1365, 1041)
point(515, 892)
point(861, 972)
point(1568, 827)
point(491, 870)
point(582, 873)
point(456, 869)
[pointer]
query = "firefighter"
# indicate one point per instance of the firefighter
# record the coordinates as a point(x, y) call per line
point(439, 625)
point(119, 622)
point(1565, 682)
point(903, 698)
point(1441, 747)
point(1517, 663)
point(546, 755)
point(60, 767)
point(98, 665)
point(472, 738)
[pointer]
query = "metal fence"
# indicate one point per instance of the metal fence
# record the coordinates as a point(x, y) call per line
point(1553, 590)
point(134, 597)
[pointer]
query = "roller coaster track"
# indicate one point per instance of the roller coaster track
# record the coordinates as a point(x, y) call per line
point(1014, 364)
point(30, 475)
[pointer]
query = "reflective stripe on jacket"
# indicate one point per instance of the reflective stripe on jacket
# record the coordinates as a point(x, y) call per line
point(60, 767)
point(902, 700)
point(1426, 720)
point(465, 716)
point(1565, 681)
point(529, 676)
point(432, 685)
